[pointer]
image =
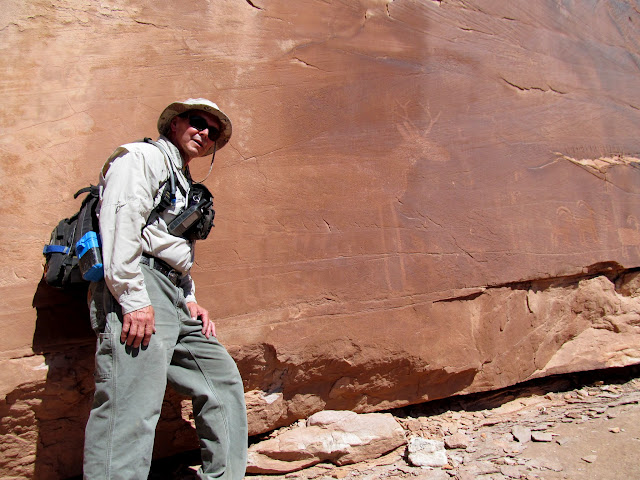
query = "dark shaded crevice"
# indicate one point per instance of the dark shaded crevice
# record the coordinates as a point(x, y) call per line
point(151, 24)
point(475, 402)
point(611, 270)
point(461, 298)
point(528, 89)
point(253, 5)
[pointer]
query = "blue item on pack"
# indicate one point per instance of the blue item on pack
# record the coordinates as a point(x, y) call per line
point(90, 257)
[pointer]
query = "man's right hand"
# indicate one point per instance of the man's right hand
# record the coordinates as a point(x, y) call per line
point(138, 326)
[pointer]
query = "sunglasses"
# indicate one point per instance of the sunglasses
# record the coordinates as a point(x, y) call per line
point(200, 124)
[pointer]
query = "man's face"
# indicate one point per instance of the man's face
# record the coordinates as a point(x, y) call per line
point(190, 141)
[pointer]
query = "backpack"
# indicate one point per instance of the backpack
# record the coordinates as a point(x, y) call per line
point(73, 254)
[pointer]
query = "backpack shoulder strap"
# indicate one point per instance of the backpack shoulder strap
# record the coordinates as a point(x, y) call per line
point(87, 218)
point(82, 190)
point(168, 197)
point(172, 174)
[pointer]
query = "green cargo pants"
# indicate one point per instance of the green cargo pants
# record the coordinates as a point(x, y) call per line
point(130, 387)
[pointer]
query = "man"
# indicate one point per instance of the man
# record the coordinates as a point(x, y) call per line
point(150, 327)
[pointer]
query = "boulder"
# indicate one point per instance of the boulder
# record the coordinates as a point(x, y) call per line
point(341, 438)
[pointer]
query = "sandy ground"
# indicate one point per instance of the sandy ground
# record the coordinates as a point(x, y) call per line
point(585, 426)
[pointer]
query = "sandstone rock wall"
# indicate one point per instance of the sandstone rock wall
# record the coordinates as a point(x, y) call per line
point(421, 198)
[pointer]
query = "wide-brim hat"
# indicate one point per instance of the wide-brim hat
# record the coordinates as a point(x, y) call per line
point(176, 108)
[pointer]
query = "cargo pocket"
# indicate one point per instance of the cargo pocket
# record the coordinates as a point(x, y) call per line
point(96, 306)
point(104, 357)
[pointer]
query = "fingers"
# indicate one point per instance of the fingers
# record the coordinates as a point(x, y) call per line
point(208, 328)
point(204, 316)
point(126, 326)
point(193, 309)
point(208, 324)
point(213, 330)
point(131, 331)
point(135, 337)
point(149, 330)
point(138, 327)
point(197, 312)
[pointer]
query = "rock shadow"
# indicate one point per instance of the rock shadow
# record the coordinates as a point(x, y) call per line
point(61, 406)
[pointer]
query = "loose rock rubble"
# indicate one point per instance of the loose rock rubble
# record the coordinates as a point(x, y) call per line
point(544, 432)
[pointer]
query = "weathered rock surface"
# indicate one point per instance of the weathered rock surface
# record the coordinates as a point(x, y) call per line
point(421, 198)
point(424, 452)
point(521, 434)
point(338, 437)
point(457, 440)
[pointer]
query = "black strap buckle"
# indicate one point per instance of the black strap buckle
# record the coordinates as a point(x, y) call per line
point(163, 267)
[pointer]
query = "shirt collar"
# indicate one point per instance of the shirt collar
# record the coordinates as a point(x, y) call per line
point(175, 156)
point(184, 176)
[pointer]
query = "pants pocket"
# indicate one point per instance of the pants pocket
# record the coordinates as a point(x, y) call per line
point(104, 357)
point(96, 306)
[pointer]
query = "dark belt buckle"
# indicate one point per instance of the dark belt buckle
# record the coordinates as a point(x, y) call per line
point(173, 276)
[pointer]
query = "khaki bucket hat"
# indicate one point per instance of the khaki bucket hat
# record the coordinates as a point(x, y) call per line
point(176, 108)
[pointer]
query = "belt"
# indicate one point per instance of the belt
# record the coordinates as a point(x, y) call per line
point(163, 267)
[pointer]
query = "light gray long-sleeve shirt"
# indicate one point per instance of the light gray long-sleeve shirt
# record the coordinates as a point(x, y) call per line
point(132, 182)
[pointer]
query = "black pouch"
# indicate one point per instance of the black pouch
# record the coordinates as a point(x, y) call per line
point(197, 219)
point(59, 254)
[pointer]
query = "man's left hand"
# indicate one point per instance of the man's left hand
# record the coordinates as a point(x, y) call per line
point(208, 327)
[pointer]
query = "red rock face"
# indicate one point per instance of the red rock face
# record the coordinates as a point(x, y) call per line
point(420, 199)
